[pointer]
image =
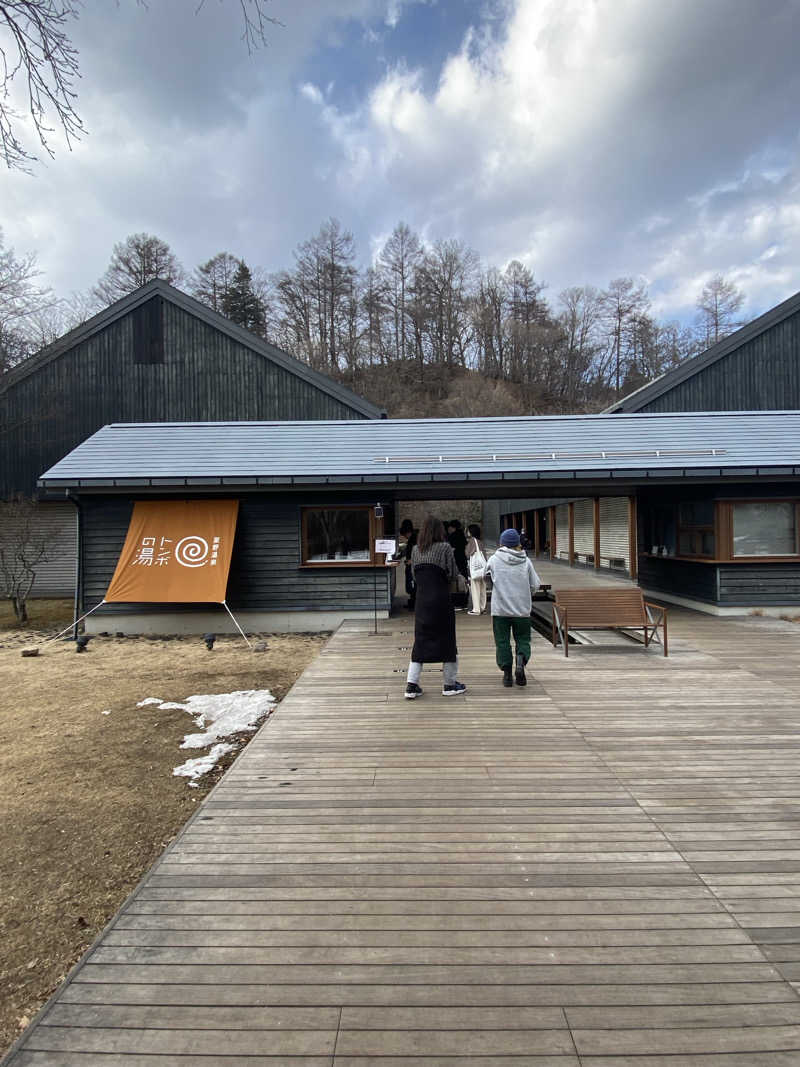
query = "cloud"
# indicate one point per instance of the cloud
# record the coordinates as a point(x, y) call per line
point(591, 140)
point(587, 139)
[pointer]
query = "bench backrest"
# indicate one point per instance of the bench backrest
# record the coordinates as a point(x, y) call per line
point(602, 607)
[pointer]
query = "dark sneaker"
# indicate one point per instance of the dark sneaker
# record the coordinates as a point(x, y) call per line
point(507, 677)
point(519, 674)
point(454, 690)
point(412, 691)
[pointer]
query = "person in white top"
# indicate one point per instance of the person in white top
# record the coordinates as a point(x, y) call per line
point(476, 562)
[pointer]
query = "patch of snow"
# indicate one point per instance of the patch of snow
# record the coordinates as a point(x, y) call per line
point(149, 700)
point(196, 768)
point(105, 712)
point(222, 715)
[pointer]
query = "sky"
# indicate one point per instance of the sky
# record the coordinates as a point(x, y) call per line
point(589, 139)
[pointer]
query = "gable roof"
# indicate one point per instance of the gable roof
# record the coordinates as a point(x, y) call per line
point(193, 307)
point(646, 394)
point(516, 451)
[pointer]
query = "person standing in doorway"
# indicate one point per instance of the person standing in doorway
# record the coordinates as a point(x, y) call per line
point(434, 567)
point(408, 538)
point(514, 581)
point(455, 535)
point(458, 542)
point(476, 560)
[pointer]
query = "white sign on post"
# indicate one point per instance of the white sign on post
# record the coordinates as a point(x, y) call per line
point(389, 547)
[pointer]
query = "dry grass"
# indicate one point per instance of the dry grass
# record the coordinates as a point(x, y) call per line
point(89, 800)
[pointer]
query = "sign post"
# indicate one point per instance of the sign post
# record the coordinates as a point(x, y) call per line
point(389, 547)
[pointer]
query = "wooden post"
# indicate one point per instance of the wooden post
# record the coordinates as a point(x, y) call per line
point(571, 526)
point(596, 531)
point(537, 537)
point(632, 538)
point(551, 522)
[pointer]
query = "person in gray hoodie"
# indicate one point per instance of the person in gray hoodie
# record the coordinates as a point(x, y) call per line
point(514, 581)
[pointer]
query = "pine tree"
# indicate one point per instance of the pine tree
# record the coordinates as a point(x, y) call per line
point(242, 305)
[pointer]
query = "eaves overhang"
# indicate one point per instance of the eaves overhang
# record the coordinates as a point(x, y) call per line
point(480, 480)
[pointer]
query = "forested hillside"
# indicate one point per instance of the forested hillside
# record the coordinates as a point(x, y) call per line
point(424, 329)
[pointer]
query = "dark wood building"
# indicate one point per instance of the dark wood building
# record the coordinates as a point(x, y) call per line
point(689, 544)
point(757, 368)
point(157, 355)
point(716, 498)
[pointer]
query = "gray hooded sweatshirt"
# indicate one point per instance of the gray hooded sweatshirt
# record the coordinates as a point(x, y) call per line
point(513, 581)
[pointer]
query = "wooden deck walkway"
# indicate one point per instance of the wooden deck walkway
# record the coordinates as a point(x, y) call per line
point(600, 870)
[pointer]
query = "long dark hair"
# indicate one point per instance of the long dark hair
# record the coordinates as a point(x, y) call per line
point(474, 531)
point(431, 532)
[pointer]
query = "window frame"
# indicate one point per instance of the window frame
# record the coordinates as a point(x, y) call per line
point(697, 530)
point(781, 558)
point(375, 532)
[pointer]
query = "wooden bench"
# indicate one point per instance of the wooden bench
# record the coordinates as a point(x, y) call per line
point(607, 609)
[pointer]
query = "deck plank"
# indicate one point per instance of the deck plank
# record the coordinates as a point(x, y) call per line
point(602, 865)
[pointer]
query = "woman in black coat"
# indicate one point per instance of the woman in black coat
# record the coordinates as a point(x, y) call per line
point(434, 567)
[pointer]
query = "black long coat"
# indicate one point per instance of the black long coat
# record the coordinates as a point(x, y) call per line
point(434, 619)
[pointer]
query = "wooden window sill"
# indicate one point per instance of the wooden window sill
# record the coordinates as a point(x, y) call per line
point(716, 559)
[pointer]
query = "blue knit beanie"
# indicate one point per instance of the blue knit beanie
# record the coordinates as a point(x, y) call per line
point(509, 539)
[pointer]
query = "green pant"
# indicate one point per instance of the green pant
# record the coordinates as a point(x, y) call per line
point(502, 625)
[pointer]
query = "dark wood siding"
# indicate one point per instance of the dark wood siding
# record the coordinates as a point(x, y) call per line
point(762, 374)
point(760, 583)
point(729, 584)
point(158, 363)
point(265, 571)
point(696, 581)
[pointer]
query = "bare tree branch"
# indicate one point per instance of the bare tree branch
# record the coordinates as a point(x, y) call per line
point(254, 20)
point(35, 46)
point(38, 58)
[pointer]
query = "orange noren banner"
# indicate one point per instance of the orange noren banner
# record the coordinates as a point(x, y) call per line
point(176, 552)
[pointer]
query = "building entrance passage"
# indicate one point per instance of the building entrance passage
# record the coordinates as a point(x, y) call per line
point(598, 532)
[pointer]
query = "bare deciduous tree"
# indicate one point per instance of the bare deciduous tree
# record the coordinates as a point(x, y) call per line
point(211, 281)
point(38, 55)
point(397, 263)
point(579, 320)
point(319, 300)
point(23, 545)
point(39, 60)
point(443, 286)
point(622, 302)
point(134, 262)
point(21, 300)
point(717, 308)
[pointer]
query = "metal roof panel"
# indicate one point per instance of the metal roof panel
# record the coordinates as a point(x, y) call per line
point(382, 450)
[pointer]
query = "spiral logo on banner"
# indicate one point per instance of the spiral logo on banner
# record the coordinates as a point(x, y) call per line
point(192, 551)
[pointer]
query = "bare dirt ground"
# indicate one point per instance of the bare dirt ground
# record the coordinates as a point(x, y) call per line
point(88, 801)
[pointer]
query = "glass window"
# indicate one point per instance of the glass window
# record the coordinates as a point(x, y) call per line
point(697, 513)
point(764, 528)
point(336, 535)
point(696, 528)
